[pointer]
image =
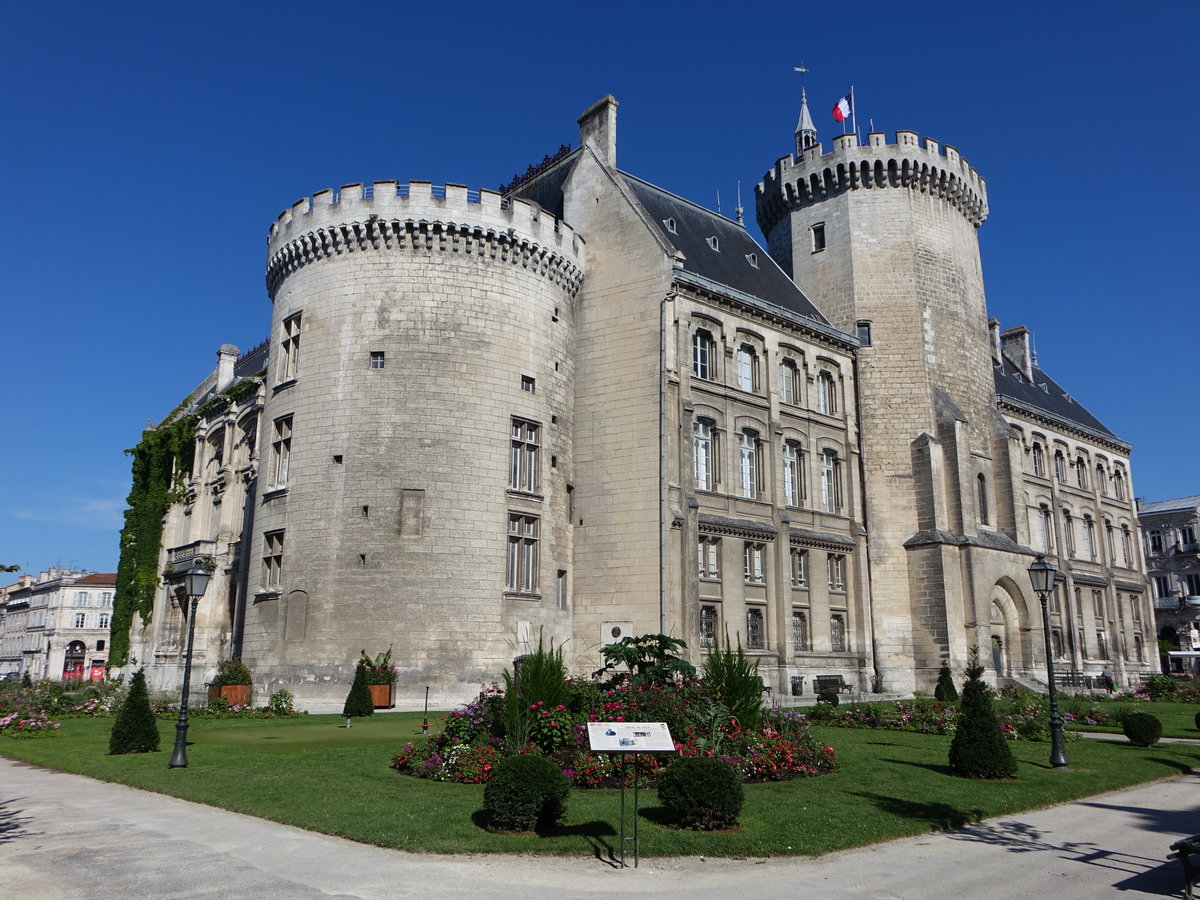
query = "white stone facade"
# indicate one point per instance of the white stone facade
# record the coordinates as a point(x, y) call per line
point(589, 408)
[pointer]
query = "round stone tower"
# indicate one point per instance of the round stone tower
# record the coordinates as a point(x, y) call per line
point(883, 238)
point(415, 444)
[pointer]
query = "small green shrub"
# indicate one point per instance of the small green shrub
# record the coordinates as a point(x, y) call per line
point(701, 792)
point(732, 680)
point(1197, 720)
point(1159, 687)
point(829, 698)
point(358, 701)
point(945, 691)
point(281, 703)
point(979, 748)
point(233, 671)
point(1141, 728)
point(524, 793)
point(135, 729)
point(218, 706)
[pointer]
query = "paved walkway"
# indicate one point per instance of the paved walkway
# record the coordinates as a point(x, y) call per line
point(65, 836)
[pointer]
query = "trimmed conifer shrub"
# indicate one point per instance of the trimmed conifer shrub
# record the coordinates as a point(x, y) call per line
point(701, 792)
point(524, 793)
point(945, 691)
point(358, 701)
point(979, 748)
point(135, 729)
point(1141, 728)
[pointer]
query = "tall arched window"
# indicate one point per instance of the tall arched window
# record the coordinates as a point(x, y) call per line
point(981, 487)
point(826, 394)
point(789, 391)
point(1081, 472)
point(703, 357)
point(1119, 484)
point(748, 468)
point(1060, 467)
point(1038, 459)
point(793, 474)
point(747, 368)
point(1101, 479)
point(704, 450)
point(831, 488)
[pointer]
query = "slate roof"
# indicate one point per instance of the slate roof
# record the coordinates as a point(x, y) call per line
point(1178, 505)
point(1044, 395)
point(730, 263)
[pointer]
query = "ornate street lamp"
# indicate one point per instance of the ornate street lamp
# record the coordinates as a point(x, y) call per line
point(1043, 575)
point(195, 581)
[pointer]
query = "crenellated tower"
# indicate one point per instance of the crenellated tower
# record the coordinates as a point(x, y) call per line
point(883, 237)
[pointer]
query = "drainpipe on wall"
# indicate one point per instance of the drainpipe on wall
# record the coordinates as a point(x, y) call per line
point(662, 390)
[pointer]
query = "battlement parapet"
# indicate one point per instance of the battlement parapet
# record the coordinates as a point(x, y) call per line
point(420, 216)
point(929, 167)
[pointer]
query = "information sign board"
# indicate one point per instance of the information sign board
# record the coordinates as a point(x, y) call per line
point(630, 737)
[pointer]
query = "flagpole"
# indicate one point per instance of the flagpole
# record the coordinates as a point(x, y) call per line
point(854, 117)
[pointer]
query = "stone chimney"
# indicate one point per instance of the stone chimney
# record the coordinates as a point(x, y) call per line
point(994, 338)
point(226, 357)
point(598, 128)
point(1015, 345)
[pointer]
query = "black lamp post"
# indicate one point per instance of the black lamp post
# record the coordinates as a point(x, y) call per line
point(1043, 575)
point(195, 581)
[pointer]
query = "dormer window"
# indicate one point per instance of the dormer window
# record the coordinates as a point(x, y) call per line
point(752, 258)
point(714, 243)
point(669, 224)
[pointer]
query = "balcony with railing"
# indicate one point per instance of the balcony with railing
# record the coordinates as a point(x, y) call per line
point(179, 559)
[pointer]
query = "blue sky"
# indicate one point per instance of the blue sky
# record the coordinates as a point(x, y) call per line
point(148, 147)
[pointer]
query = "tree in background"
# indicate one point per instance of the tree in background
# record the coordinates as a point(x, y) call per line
point(945, 691)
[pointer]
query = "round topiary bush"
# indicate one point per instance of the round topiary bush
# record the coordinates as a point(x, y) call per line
point(701, 792)
point(1197, 720)
point(1141, 728)
point(525, 793)
point(829, 697)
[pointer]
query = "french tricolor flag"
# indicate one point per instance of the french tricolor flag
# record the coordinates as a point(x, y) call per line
point(843, 109)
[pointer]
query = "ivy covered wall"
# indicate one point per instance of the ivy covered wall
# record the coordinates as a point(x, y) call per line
point(161, 464)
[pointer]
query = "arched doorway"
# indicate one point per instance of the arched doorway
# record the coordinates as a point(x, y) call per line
point(73, 662)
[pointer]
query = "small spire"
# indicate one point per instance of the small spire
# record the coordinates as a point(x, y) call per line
point(740, 219)
point(806, 131)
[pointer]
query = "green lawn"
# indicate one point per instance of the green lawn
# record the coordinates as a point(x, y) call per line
point(1178, 719)
point(316, 774)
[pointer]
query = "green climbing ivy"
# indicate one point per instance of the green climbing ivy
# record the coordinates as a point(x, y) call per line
point(161, 463)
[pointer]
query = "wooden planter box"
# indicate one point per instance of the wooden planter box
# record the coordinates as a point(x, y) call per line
point(383, 696)
point(234, 693)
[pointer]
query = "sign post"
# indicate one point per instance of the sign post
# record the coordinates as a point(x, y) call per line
point(630, 738)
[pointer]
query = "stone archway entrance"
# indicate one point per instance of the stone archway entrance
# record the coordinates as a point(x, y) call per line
point(1000, 639)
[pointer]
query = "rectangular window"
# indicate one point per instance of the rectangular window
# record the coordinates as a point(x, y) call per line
point(289, 348)
point(1187, 537)
point(1101, 645)
point(836, 572)
point(1162, 586)
point(377, 359)
point(82, 599)
point(1069, 532)
point(755, 629)
point(708, 627)
point(864, 332)
point(1098, 605)
point(281, 452)
point(800, 630)
point(1089, 538)
point(1193, 585)
point(103, 622)
point(837, 633)
point(272, 560)
point(752, 557)
point(709, 551)
point(79, 621)
point(523, 470)
point(1156, 542)
point(560, 595)
point(799, 560)
point(106, 598)
point(818, 237)
point(521, 574)
point(528, 383)
point(1038, 456)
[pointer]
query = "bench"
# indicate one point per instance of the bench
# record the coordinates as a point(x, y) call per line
point(835, 683)
point(1183, 851)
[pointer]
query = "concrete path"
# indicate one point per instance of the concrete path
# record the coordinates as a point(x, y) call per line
point(65, 836)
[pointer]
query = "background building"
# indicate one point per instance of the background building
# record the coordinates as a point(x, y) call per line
point(585, 408)
point(56, 626)
point(1169, 530)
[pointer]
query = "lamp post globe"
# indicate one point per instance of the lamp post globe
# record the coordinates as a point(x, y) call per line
point(1043, 576)
point(195, 582)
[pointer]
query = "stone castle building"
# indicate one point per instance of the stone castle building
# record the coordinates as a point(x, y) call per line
point(587, 408)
